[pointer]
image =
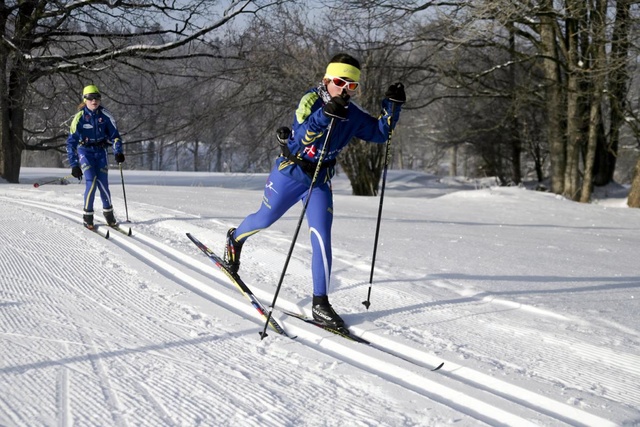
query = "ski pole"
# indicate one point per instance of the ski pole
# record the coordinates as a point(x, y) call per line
point(124, 193)
point(36, 185)
point(263, 334)
point(387, 154)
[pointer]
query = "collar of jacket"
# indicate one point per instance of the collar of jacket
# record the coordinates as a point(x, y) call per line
point(88, 111)
point(323, 92)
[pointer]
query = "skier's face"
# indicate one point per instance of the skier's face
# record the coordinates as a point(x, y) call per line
point(337, 85)
point(92, 102)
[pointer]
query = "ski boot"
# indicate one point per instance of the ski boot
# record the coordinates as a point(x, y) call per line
point(232, 252)
point(109, 217)
point(87, 220)
point(324, 313)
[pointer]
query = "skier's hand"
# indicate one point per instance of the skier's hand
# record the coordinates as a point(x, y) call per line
point(76, 172)
point(337, 107)
point(396, 94)
point(119, 157)
point(283, 134)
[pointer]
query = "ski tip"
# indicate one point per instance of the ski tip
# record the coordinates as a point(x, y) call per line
point(106, 236)
point(438, 367)
point(130, 232)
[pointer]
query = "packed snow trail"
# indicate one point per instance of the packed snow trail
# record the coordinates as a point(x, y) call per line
point(154, 277)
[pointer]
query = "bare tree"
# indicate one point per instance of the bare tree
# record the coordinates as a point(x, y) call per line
point(381, 39)
point(633, 201)
point(47, 38)
point(598, 77)
point(582, 52)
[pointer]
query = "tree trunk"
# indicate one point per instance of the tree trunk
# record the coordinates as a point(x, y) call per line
point(633, 201)
point(13, 89)
point(9, 154)
point(574, 134)
point(362, 163)
point(605, 161)
point(5, 140)
point(575, 98)
point(618, 82)
point(453, 164)
point(196, 155)
point(12, 124)
point(554, 99)
point(514, 126)
point(597, 78)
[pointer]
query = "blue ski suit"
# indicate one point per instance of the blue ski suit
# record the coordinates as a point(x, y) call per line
point(90, 133)
point(289, 180)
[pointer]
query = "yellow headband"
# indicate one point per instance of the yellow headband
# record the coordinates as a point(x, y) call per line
point(337, 69)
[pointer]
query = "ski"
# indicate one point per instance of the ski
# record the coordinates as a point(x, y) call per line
point(95, 230)
point(237, 281)
point(343, 332)
point(127, 231)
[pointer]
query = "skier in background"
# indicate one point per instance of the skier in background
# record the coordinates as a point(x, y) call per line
point(92, 130)
point(291, 176)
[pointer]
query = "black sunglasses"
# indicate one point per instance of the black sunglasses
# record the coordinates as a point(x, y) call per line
point(92, 97)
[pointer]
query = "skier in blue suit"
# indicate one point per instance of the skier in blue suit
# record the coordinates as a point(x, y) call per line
point(291, 176)
point(92, 130)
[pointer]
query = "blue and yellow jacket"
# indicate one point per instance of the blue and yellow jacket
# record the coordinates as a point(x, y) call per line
point(310, 126)
point(92, 131)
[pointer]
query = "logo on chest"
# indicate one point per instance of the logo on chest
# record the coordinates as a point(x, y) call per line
point(310, 151)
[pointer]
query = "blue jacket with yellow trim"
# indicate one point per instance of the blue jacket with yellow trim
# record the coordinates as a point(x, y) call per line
point(310, 125)
point(92, 130)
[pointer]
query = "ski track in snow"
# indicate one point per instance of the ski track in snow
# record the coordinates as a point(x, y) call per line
point(98, 378)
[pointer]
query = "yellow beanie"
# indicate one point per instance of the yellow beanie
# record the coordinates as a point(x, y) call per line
point(90, 89)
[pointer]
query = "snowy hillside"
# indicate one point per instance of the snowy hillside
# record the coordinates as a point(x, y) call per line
point(530, 300)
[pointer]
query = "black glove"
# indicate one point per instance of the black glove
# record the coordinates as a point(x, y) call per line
point(396, 94)
point(337, 107)
point(76, 172)
point(283, 134)
point(119, 157)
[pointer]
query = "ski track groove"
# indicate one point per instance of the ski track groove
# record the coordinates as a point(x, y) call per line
point(569, 357)
point(284, 373)
point(160, 411)
point(524, 404)
point(97, 318)
point(233, 408)
point(102, 371)
point(64, 410)
point(39, 381)
point(113, 401)
point(602, 360)
point(8, 415)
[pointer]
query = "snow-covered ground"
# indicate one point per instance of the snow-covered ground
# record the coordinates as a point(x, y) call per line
point(530, 300)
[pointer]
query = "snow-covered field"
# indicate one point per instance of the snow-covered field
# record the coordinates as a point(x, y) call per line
point(530, 300)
